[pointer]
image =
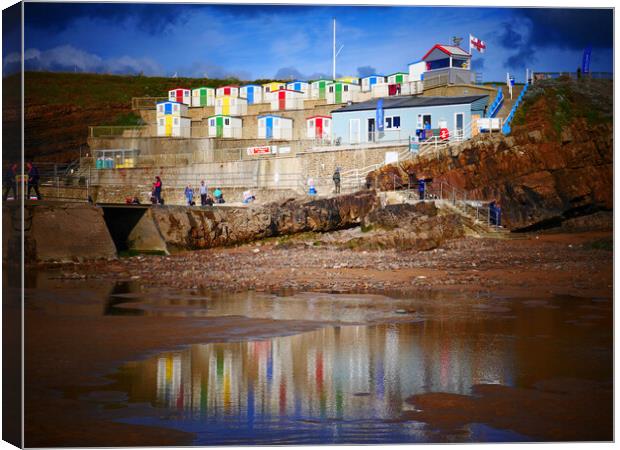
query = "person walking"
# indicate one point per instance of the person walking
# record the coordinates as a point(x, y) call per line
point(10, 182)
point(157, 190)
point(421, 188)
point(189, 195)
point(203, 193)
point(336, 178)
point(33, 180)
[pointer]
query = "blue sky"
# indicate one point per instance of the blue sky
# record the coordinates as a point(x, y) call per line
point(263, 41)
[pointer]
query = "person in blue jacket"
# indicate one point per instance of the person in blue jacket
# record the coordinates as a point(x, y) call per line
point(421, 188)
point(189, 195)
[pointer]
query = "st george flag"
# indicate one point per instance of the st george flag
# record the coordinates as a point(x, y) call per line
point(476, 43)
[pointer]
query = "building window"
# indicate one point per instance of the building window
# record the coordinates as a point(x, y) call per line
point(331, 89)
point(392, 122)
point(212, 122)
point(226, 121)
point(161, 122)
point(311, 122)
point(346, 87)
point(176, 121)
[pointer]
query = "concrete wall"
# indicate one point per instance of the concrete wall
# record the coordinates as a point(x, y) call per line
point(461, 90)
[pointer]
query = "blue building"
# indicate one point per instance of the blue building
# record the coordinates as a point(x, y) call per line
point(404, 116)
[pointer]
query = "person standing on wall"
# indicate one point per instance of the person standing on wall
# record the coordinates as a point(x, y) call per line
point(421, 187)
point(157, 190)
point(336, 179)
point(10, 182)
point(33, 180)
point(203, 193)
point(189, 195)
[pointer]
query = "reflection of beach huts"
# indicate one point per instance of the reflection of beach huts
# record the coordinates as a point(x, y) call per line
point(341, 92)
point(301, 86)
point(227, 91)
point(180, 95)
point(370, 81)
point(231, 106)
point(275, 127)
point(253, 93)
point(203, 96)
point(286, 99)
point(318, 89)
point(319, 127)
point(220, 126)
point(352, 80)
point(171, 120)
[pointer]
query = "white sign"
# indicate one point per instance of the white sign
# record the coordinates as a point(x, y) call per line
point(284, 150)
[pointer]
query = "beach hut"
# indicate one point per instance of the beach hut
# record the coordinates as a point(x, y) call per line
point(341, 92)
point(171, 119)
point(180, 95)
point(253, 93)
point(273, 86)
point(220, 126)
point(416, 71)
point(231, 106)
point(275, 127)
point(352, 80)
point(203, 96)
point(227, 91)
point(372, 80)
point(398, 78)
point(301, 86)
point(318, 88)
point(319, 127)
point(285, 99)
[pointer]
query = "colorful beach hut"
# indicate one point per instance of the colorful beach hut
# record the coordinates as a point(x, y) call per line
point(180, 95)
point(231, 106)
point(319, 127)
point(286, 99)
point(318, 88)
point(341, 92)
point(227, 91)
point(416, 71)
point(273, 86)
point(220, 126)
point(275, 127)
point(372, 80)
point(398, 78)
point(352, 80)
point(302, 86)
point(203, 96)
point(171, 119)
point(253, 93)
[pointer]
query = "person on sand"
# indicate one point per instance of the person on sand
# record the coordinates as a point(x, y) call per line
point(311, 188)
point(203, 193)
point(33, 180)
point(248, 197)
point(157, 190)
point(336, 178)
point(189, 195)
point(218, 195)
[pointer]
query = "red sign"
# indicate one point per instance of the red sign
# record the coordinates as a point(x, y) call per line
point(444, 134)
point(259, 150)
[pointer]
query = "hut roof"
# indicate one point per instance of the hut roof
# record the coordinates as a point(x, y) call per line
point(409, 101)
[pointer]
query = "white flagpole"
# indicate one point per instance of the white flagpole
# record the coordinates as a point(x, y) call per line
point(470, 44)
point(334, 53)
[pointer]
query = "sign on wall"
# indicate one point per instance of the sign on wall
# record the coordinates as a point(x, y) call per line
point(265, 150)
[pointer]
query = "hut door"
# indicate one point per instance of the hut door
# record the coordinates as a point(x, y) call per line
point(354, 131)
point(226, 106)
point(371, 130)
point(338, 93)
point(321, 89)
point(219, 127)
point(281, 100)
point(319, 128)
point(227, 91)
point(269, 127)
point(458, 119)
point(168, 131)
point(180, 96)
point(250, 92)
point(203, 97)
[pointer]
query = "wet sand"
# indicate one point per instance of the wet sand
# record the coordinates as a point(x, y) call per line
point(74, 345)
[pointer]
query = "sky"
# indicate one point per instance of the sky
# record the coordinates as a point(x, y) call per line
point(295, 41)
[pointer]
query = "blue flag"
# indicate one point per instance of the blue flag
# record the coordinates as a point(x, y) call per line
point(379, 115)
point(585, 62)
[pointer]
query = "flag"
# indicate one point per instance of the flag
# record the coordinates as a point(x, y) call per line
point(477, 44)
point(585, 62)
point(379, 115)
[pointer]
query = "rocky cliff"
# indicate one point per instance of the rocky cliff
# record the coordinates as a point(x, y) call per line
point(556, 164)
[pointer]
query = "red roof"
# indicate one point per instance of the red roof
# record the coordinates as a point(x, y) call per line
point(229, 86)
point(450, 50)
point(318, 115)
point(288, 90)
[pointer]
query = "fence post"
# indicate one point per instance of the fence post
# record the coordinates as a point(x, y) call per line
point(441, 191)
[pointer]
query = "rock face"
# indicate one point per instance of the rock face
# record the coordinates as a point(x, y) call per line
point(185, 228)
point(551, 167)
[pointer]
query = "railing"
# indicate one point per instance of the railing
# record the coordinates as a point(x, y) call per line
point(506, 126)
point(496, 105)
point(138, 103)
point(118, 131)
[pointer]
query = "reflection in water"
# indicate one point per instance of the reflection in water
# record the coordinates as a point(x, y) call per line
point(309, 387)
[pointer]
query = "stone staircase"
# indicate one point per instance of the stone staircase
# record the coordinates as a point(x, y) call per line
point(508, 103)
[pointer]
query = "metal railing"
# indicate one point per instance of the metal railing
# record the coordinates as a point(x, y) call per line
point(138, 103)
point(538, 76)
point(118, 131)
point(506, 127)
point(496, 105)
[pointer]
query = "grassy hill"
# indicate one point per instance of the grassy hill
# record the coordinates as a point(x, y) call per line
point(61, 106)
